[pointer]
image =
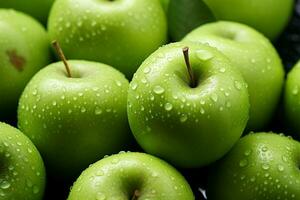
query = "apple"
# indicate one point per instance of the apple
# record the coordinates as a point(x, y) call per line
point(186, 15)
point(22, 169)
point(255, 57)
point(24, 49)
point(178, 115)
point(259, 14)
point(119, 33)
point(131, 176)
point(39, 9)
point(165, 4)
point(291, 100)
point(75, 119)
point(261, 166)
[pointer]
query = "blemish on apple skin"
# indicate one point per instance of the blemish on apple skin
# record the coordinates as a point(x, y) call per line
point(16, 60)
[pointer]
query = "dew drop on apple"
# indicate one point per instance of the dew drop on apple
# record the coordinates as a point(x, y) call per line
point(118, 83)
point(243, 163)
point(134, 86)
point(237, 85)
point(204, 55)
point(147, 70)
point(266, 166)
point(35, 189)
point(168, 106)
point(295, 90)
point(158, 90)
point(222, 70)
point(281, 168)
point(183, 118)
point(4, 185)
point(214, 97)
point(98, 111)
point(83, 109)
point(100, 196)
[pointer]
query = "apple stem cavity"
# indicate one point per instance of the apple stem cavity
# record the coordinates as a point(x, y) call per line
point(62, 57)
point(185, 51)
point(136, 195)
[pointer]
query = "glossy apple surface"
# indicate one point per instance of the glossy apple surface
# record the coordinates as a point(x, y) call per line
point(131, 176)
point(255, 57)
point(291, 100)
point(39, 9)
point(23, 51)
point(22, 169)
point(267, 16)
point(75, 121)
point(261, 166)
point(180, 123)
point(119, 33)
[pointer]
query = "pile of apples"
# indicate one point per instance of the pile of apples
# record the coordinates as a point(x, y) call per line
point(145, 90)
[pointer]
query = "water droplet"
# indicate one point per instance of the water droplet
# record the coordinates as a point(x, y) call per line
point(265, 166)
point(214, 97)
point(147, 70)
point(98, 111)
point(4, 185)
point(243, 163)
point(237, 85)
point(168, 106)
point(204, 55)
point(83, 109)
point(248, 152)
point(183, 118)
point(280, 168)
point(295, 90)
point(100, 196)
point(158, 89)
point(134, 85)
point(222, 70)
point(35, 189)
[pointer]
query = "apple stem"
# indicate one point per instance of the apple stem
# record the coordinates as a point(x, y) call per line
point(136, 194)
point(185, 51)
point(62, 57)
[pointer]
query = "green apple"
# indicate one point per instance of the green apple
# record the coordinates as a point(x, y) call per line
point(255, 57)
point(267, 16)
point(261, 166)
point(75, 121)
point(22, 169)
point(260, 14)
point(24, 50)
point(119, 33)
point(292, 99)
point(186, 15)
point(165, 4)
point(39, 9)
point(131, 176)
point(179, 122)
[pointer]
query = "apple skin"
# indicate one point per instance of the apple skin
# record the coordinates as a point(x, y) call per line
point(257, 60)
point(165, 4)
point(178, 123)
point(120, 33)
point(75, 121)
point(263, 19)
point(22, 169)
point(119, 176)
point(38, 9)
point(186, 15)
point(291, 100)
point(261, 166)
point(24, 49)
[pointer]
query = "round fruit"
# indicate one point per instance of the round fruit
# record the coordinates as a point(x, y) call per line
point(24, 49)
point(179, 122)
point(131, 176)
